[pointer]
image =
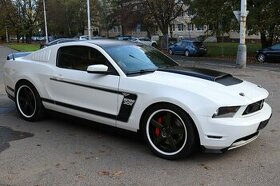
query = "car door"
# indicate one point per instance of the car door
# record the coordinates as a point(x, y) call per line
point(178, 48)
point(76, 91)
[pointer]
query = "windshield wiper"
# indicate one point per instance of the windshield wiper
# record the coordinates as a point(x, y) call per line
point(142, 71)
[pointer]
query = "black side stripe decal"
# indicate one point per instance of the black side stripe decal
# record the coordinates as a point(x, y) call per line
point(126, 107)
point(87, 86)
point(111, 116)
point(124, 113)
point(128, 103)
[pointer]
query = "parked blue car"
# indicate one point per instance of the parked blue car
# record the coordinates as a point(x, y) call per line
point(188, 48)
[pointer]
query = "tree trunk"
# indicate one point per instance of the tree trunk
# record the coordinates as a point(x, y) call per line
point(266, 42)
point(164, 41)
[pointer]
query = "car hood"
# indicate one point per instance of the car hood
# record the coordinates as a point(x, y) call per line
point(218, 87)
point(263, 50)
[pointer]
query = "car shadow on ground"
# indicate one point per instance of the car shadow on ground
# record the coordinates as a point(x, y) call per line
point(123, 135)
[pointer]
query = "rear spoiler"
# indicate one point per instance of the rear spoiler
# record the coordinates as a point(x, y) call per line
point(12, 56)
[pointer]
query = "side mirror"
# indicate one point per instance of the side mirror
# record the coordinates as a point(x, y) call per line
point(98, 69)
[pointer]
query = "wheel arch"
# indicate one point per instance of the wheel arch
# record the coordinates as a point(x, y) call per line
point(141, 124)
point(25, 80)
point(22, 81)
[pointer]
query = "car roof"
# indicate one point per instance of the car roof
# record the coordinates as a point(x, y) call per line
point(186, 40)
point(104, 43)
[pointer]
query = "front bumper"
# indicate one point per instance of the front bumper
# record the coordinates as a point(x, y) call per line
point(229, 133)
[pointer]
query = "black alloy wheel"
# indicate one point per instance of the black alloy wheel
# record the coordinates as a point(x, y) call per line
point(28, 102)
point(169, 132)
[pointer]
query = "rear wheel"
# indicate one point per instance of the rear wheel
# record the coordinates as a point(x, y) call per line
point(28, 102)
point(187, 53)
point(261, 57)
point(169, 131)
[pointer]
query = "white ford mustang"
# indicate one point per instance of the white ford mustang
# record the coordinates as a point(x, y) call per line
point(137, 88)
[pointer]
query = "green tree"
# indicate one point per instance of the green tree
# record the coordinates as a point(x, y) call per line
point(217, 14)
point(264, 18)
point(163, 13)
point(106, 17)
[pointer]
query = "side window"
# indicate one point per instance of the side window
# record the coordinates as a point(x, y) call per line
point(276, 47)
point(184, 43)
point(179, 43)
point(79, 57)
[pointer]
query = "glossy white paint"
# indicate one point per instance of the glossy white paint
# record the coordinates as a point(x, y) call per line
point(198, 97)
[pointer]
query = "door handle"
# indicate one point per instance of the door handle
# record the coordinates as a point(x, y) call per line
point(57, 78)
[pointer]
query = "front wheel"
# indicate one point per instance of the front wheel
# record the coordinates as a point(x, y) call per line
point(170, 52)
point(28, 102)
point(261, 58)
point(169, 131)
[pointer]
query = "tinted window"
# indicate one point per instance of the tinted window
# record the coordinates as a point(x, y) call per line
point(144, 39)
point(133, 58)
point(79, 57)
point(185, 43)
point(179, 43)
point(276, 47)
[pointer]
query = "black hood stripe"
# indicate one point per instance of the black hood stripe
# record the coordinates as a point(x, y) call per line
point(207, 74)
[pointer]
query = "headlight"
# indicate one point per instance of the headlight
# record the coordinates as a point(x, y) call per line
point(225, 112)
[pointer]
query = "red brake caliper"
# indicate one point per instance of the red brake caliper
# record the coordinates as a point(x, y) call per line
point(157, 130)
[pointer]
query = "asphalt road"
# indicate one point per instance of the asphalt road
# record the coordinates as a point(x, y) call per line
point(67, 151)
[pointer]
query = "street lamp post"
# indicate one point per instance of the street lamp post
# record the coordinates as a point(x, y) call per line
point(88, 16)
point(7, 35)
point(45, 19)
point(242, 49)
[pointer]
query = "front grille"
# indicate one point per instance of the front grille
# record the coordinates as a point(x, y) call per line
point(254, 107)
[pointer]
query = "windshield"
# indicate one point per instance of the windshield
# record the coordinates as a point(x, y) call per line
point(133, 59)
point(198, 44)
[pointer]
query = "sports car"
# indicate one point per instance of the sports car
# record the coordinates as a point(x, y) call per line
point(136, 87)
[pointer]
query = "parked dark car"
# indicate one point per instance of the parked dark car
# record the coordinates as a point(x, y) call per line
point(61, 40)
point(188, 48)
point(269, 54)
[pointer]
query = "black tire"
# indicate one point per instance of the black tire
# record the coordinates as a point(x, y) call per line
point(261, 58)
point(154, 45)
point(169, 131)
point(28, 102)
point(187, 53)
point(170, 52)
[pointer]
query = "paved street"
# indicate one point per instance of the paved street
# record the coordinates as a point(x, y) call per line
point(68, 151)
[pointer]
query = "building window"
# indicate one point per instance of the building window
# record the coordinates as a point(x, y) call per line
point(190, 26)
point(190, 12)
point(116, 29)
point(172, 27)
point(199, 27)
point(181, 13)
point(180, 27)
